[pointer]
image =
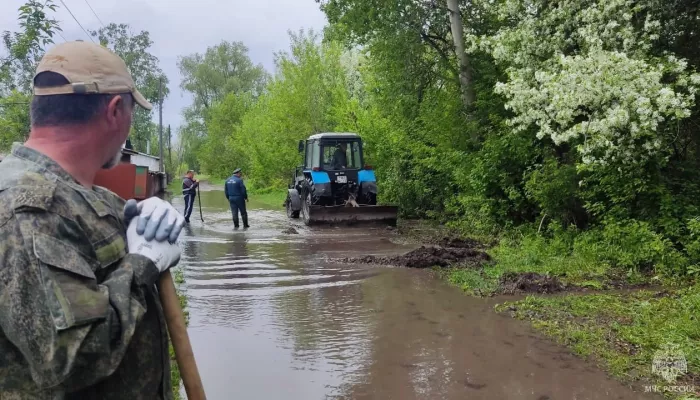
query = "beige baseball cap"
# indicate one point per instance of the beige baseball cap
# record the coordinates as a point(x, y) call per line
point(90, 68)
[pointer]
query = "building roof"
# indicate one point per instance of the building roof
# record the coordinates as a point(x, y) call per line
point(334, 135)
point(131, 151)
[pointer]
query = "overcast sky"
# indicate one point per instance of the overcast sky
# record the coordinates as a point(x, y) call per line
point(180, 27)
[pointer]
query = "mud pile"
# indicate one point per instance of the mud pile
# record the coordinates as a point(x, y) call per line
point(460, 243)
point(460, 253)
point(529, 282)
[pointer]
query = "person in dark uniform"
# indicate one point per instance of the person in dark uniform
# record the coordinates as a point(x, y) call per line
point(189, 190)
point(340, 160)
point(237, 196)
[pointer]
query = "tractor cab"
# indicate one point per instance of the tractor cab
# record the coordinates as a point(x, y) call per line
point(332, 152)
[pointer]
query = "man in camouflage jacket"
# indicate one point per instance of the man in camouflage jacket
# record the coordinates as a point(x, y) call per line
point(80, 317)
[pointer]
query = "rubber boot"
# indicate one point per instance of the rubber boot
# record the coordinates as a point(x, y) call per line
point(245, 222)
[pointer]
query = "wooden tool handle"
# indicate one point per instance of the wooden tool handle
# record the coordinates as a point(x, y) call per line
point(180, 338)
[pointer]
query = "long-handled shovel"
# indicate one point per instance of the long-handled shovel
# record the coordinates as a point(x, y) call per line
point(176, 327)
point(199, 199)
point(180, 338)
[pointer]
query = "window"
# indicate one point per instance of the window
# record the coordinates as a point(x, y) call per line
point(341, 154)
point(309, 145)
point(356, 155)
point(316, 156)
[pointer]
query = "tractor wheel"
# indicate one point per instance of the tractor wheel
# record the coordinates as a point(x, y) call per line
point(369, 199)
point(290, 212)
point(306, 208)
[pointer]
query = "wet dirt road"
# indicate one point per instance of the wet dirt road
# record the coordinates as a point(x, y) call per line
point(271, 319)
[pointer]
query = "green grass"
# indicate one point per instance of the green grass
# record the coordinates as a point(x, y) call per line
point(272, 197)
point(175, 186)
point(578, 260)
point(179, 279)
point(477, 282)
point(211, 180)
point(622, 332)
point(533, 254)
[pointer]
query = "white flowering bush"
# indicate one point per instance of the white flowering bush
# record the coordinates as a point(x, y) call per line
point(609, 103)
point(580, 73)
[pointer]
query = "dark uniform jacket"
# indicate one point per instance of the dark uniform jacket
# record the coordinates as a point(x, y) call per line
point(235, 188)
point(79, 316)
point(189, 186)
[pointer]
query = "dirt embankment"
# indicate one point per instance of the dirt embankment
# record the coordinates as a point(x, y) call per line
point(464, 253)
point(449, 252)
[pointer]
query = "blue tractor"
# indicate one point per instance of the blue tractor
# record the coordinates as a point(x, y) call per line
point(333, 185)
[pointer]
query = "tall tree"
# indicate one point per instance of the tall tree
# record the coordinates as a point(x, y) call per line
point(23, 50)
point(427, 32)
point(134, 48)
point(222, 69)
point(465, 71)
point(307, 95)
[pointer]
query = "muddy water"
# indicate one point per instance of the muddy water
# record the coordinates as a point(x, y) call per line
point(271, 319)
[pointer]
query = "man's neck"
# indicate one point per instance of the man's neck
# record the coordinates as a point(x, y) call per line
point(71, 154)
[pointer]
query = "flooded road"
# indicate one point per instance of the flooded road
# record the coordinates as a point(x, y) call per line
point(271, 319)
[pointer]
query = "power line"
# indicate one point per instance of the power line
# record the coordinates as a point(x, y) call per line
point(76, 20)
point(93, 11)
point(61, 35)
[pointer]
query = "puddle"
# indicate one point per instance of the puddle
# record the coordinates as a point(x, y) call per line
point(272, 318)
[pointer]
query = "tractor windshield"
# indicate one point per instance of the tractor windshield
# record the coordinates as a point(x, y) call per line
point(341, 154)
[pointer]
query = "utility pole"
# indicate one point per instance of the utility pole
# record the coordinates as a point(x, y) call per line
point(160, 118)
point(170, 154)
point(170, 147)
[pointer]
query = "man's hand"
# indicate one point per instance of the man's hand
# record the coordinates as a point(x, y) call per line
point(163, 254)
point(156, 219)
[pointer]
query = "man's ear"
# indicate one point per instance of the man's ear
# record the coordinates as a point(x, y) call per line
point(115, 108)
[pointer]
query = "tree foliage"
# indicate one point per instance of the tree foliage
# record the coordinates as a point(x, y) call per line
point(215, 79)
point(585, 117)
point(22, 52)
point(24, 48)
point(260, 132)
point(222, 69)
point(134, 49)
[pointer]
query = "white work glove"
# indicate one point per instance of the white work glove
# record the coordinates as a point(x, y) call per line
point(163, 254)
point(157, 219)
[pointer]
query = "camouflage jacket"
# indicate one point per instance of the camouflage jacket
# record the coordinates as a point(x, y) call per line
point(80, 318)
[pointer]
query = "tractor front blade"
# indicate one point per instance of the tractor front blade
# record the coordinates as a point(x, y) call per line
point(345, 215)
